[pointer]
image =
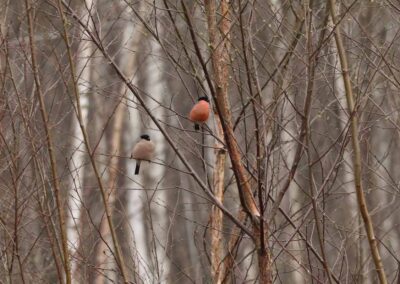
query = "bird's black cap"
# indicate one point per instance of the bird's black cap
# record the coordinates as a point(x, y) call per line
point(145, 137)
point(204, 99)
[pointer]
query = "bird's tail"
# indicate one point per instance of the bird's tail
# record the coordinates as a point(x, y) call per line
point(196, 126)
point(137, 167)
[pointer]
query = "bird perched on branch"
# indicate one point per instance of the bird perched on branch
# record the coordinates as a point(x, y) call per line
point(200, 112)
point(143, 150)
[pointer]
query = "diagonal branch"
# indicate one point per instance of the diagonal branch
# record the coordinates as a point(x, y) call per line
point(223, 109)
point(357, 152)
point(103, 191)
point(149, 112)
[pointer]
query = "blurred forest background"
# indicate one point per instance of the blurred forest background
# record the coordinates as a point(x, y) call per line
point(295, 178)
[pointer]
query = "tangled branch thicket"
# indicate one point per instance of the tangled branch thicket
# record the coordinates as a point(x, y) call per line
point(293, 179)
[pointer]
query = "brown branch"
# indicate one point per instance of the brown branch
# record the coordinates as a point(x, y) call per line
point(220, 62)
point(103, 191)
point(261, 231)
point(356, 148)
point(310, 86)
point(223, 109)
point(302, 135)
point(49, 140)
point(136, 92)
point(281, 67)
point(219, 54)
point(36, 166)
point(216, 213)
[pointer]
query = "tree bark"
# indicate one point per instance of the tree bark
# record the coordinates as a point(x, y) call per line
point(216, 213)
point(219, 48)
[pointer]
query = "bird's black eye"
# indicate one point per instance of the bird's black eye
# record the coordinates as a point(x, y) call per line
point(145, 137)
point(204, 99)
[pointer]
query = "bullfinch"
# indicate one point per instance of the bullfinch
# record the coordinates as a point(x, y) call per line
point(143, 150)
point(200, 112)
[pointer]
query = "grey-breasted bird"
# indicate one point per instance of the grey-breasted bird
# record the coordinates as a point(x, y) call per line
point(143, 150)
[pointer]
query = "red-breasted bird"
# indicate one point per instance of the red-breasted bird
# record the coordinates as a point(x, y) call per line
point(200, 112)
point(143, 150)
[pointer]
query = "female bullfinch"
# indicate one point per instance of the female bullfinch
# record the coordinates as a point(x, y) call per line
point(200, 112)
point(143, 150)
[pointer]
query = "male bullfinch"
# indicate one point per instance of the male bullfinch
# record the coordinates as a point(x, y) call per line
point(143, 150)
point(200, 112)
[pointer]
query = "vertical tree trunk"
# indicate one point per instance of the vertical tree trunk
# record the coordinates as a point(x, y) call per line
point(356, 147)
point(219, 48)
point(216, 214)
